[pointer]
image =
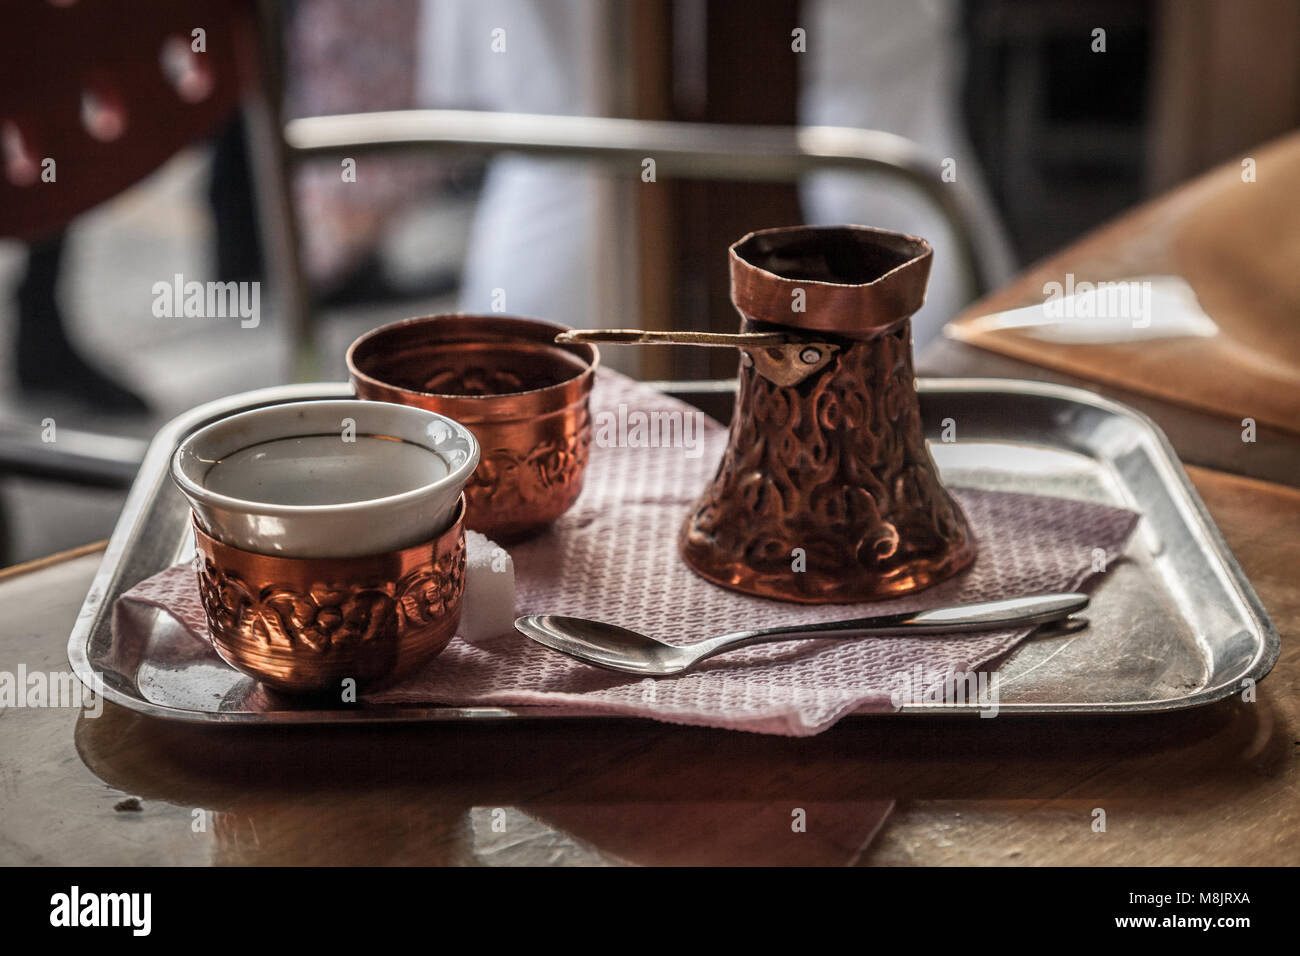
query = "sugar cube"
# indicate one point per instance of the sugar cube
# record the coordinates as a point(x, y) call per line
point(488, 608)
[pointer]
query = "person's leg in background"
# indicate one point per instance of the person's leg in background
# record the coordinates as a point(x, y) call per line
point(547, 233)
point(348, 57)
point(234, 216)
point(894, 65)
point(46, 359)
point(47, 362)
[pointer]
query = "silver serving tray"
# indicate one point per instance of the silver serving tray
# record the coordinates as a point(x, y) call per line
point(1174, 625)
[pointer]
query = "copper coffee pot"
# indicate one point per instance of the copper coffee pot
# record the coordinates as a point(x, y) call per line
point(826, 492)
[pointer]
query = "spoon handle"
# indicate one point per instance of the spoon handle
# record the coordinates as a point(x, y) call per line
point(957, 619)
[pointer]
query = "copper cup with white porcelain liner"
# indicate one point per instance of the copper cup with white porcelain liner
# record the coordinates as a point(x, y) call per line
point(329, 539)
point(524, 397)
point(308, 625)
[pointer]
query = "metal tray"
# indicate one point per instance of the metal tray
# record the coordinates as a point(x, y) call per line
point(1174, 625)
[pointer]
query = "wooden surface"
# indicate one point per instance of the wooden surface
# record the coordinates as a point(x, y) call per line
point(1237, 245)
point(1215, 785)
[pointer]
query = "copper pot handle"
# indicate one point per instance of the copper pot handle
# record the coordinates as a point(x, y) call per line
point(782, 359)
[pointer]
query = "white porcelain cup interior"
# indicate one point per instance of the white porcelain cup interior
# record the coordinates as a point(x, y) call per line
point(326, 479)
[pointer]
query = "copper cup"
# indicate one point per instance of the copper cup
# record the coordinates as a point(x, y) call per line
point(304, 625)
point(524, 397)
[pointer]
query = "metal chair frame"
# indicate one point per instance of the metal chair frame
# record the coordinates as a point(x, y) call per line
point(686, 150)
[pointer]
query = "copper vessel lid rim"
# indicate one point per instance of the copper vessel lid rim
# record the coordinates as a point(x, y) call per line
point(926, 251)
point(588, 371)
point(449, 533)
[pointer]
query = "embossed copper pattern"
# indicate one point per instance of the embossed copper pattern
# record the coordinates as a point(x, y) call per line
point(826, 492)
point(303, 625)
point(524, 397)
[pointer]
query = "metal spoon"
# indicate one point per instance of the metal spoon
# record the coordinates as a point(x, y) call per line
point(618, 649)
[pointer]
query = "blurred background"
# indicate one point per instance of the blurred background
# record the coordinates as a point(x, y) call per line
point(178, 160)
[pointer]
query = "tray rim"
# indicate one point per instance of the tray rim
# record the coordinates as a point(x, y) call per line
point(1170, 469)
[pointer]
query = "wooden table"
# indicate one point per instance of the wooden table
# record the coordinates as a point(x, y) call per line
point(1237, 245)
point(1220, 784)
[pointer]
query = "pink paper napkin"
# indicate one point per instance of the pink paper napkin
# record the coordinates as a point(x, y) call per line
point(613, 557)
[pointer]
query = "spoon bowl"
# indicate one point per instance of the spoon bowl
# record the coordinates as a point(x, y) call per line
point(606, 645)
